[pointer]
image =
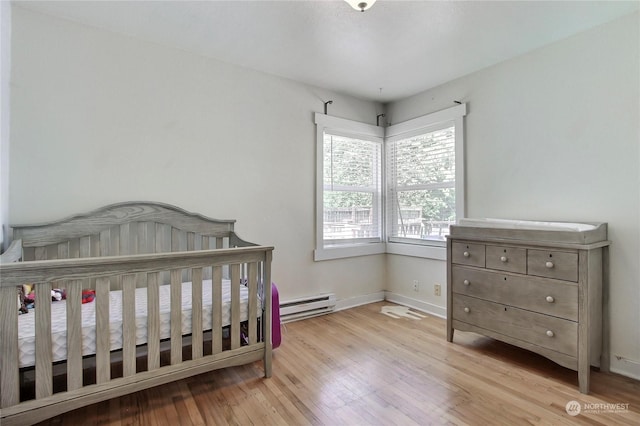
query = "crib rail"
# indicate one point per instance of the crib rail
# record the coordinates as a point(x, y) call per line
point(250, 266)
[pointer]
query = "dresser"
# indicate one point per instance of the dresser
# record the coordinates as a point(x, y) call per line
point(536, 285)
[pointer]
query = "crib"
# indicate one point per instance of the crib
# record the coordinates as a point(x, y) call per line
point(171, 294)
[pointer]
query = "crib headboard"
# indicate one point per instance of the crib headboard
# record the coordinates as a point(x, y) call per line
point(125, 229)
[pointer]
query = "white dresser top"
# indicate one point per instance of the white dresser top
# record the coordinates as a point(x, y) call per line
point(540, 231)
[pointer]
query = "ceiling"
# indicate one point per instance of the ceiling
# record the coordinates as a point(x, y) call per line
point(394, 50)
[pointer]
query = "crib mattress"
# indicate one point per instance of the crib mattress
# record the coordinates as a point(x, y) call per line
point(26, 322)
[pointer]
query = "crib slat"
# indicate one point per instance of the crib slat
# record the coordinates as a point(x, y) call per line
point(63, 250)
point(267, 317)
point(176, 316)
point(124, 241)
point(216, 310)
point(206, 273)
point(85, 247)
point(235, 306)
point(128, 238)
point(88, 247)
point(44, 368)
point(74, 334)
point(114, 250)
point(253, 303)
point(191, 246)
point(114, 236)
point(129, 325)
point(52, 252)
point(179, 243)
point(105, 243)
point(9, 387)
point(146, 237)
point(196, 313)
point(40, 253)
point(94, 245)
point(176, 236)
point(74, 248)
point(28, 253)
point(103, 333)
point(163, 238)
point(153, 321)
point(163, 245)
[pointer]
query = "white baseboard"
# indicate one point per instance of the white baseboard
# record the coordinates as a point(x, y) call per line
point(352, 302)
point(625, 367)
point(429, 308)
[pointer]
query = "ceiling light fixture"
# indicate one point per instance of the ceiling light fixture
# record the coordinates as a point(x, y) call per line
point(360, 5)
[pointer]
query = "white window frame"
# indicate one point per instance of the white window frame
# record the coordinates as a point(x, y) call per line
point(345, 248)
point(425, 124)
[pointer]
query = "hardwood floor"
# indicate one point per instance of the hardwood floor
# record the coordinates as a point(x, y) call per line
point(359, 367)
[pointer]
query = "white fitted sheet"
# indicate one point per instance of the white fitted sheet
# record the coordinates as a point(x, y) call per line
point(26, 322)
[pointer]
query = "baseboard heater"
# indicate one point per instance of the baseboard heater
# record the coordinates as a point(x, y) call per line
point(307, 307)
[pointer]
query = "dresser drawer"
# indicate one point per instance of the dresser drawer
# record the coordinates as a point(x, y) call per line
point(505, 258)
point(531, 293)
point(553, 264)
point(468, 254)
point(542, 330)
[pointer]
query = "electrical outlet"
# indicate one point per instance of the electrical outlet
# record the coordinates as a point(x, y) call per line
point(437, 290)
point(416, 285)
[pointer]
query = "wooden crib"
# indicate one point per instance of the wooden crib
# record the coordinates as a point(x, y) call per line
point(130, 258)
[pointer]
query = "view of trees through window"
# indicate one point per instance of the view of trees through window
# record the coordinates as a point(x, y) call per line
point(422, 174)
point(421, 196)
point(352, 187)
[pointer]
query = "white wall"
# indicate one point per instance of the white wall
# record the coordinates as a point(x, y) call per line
point(99, 118)
point(554, 135)
point(5, 72)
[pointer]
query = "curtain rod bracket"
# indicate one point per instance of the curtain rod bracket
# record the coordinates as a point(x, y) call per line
point(378, 119)
point(325, 106)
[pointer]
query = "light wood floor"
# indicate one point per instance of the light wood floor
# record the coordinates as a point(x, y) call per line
point(359, 367)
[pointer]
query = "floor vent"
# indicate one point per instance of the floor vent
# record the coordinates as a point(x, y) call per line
point(307, 307)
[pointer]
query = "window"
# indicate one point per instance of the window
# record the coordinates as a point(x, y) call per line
point(349, 193)
point(425, 177)
point(423, 185)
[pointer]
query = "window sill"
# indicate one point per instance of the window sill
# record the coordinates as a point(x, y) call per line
point(418, 250)
point(339, 252)
point(401, 249)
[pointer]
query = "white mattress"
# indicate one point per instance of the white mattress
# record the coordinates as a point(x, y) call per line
point(26, 322)
point(526, 224)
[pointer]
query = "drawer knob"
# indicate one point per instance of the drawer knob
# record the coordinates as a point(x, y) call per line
point(466, 254)
point(549, 265)
point(550, 299)
point(467, 310)
point(466, 282)
point(503, 259)
point(550, 333)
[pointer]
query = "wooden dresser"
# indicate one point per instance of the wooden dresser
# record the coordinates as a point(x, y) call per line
point(539, 286)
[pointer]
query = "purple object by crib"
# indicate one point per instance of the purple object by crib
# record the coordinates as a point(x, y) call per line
point(276, 338)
